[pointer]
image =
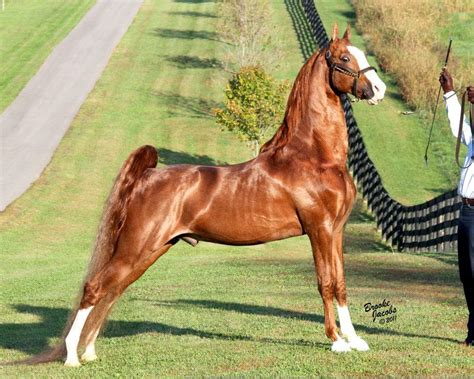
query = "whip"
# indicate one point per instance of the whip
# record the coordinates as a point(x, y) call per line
point(436, 105)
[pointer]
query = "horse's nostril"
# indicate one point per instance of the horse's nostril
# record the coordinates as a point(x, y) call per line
point(376, 88)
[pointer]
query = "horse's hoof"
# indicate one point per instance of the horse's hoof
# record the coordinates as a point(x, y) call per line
point(358, 344)
point(340, 346)
point(75, 363)
point(88, 357)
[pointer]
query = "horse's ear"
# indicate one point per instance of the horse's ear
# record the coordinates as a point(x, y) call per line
point(347, 33)
point(335, 32)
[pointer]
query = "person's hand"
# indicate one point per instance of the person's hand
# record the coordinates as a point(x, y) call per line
point(446, 81)
point(470, 94)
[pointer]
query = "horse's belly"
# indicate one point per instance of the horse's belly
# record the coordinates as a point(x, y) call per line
point(246, 229)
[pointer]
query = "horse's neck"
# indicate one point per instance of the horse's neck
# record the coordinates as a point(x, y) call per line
point(318, 126)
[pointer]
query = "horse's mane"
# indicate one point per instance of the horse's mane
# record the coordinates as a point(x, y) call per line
point(296, 104)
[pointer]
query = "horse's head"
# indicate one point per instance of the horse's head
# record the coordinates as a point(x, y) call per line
point(350, 71)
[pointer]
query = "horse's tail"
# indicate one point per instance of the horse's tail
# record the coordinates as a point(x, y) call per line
point(113, 218)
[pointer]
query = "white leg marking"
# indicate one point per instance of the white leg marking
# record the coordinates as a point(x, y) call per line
point(72, 339)
point(89, 353)
point(340, 346)
point(348, 331)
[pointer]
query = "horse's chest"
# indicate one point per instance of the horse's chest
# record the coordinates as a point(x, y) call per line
point(333, 185)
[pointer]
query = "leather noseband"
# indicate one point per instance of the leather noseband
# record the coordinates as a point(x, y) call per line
point(334, 66)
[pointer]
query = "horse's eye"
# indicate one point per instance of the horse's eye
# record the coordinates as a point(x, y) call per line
point(345, 58)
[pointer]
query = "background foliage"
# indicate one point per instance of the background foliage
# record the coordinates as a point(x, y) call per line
point(255, 106)
point(403, 35)
point(253, 39)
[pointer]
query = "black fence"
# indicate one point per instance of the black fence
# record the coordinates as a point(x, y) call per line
point(423, 227)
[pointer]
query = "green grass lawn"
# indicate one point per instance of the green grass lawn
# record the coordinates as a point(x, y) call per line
point(29, 30)
point(210, 310)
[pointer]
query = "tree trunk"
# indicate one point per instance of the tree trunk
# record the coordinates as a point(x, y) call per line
point(256, 147)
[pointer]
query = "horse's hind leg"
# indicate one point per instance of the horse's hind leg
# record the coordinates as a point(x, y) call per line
point(117, 275)
point(347, 329)
point(102, 309)
point(72, 339)
point(94, 324)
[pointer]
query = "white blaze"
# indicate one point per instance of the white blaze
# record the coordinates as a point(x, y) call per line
point(378, 86)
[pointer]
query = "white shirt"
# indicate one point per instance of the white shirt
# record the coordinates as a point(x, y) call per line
point(453, 107)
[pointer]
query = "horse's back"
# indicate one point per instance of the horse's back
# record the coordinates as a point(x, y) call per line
point(237, 204)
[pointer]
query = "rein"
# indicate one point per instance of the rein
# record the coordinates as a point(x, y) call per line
point(334, 66)
point(461, 122)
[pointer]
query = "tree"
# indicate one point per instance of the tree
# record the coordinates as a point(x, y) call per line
point(255, 105)
point(247, 26)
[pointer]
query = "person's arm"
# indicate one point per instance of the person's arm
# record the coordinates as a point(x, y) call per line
point(453, 107)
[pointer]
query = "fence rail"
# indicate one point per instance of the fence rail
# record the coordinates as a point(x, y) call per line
point(423, 227)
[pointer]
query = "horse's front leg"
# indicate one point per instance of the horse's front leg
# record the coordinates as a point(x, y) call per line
point(347, 329)
point(322, 245)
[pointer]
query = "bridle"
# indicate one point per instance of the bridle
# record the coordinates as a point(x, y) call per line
point(334, 66)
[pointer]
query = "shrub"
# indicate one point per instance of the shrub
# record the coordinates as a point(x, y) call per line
point(255, 105)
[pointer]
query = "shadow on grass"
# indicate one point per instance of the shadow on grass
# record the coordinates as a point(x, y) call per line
point(301, 27)
point(169, 157)
point(193, 14)
point(187, 106)
point(285, 313)
point(32, 338)
point(449, 258)
point(187, 61)
point(439, 190)
point(360, 213)
point(412, 278)
point(186, 34)
point(394, 95)
point(350, 16)
point(364, 242)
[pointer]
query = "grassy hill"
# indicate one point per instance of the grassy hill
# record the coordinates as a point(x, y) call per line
point(212, 310)
point(29, 31)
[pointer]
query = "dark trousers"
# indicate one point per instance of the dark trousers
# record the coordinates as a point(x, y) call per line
point(466, 261)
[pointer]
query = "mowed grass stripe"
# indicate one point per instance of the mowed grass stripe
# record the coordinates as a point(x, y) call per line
point(30, 29)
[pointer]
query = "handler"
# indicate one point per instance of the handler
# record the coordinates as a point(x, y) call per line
point(466, 191)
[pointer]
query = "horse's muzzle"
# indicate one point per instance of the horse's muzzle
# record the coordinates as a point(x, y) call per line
point(367, 92)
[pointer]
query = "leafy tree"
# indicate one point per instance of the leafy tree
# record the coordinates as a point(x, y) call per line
point(255, 105)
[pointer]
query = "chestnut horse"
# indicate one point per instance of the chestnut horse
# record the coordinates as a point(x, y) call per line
point(298, 184)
